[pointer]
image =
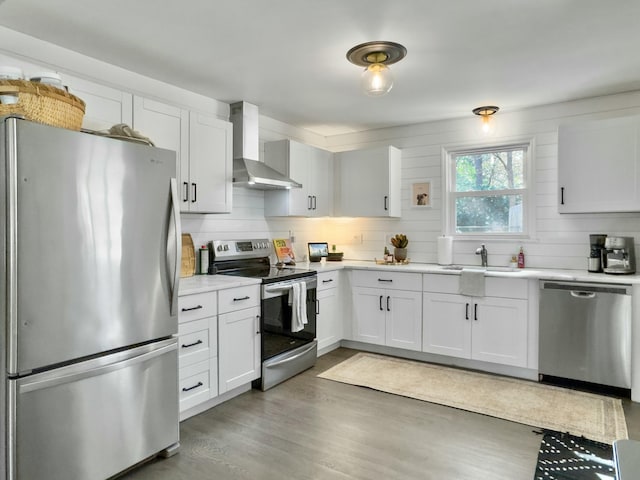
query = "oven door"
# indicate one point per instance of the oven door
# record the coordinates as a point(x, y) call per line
point(278, 333)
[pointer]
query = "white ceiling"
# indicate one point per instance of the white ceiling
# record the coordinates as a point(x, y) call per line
point(288, 56)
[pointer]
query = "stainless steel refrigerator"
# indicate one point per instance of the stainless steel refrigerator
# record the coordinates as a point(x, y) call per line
point(90, 260)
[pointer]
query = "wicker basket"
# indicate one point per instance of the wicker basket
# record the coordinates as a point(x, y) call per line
point(43, 103)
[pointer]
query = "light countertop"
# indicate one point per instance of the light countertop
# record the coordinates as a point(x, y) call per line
point(533, 273)
point(208, 283)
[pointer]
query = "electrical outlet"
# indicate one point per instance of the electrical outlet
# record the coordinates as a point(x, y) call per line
point(356, 239)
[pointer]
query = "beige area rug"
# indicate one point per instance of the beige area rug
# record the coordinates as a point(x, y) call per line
point(596, 417)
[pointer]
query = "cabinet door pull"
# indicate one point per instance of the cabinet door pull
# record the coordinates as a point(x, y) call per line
point(309, 204)
point(388, 309)
point(187, 345)
point(315, 202)
point(186, 191)
point(258, 324)
point(195, 193)
point(380, 303)
point(186, 389)
point(317, 307)
point(198, 307)
point(327, 281)
point(561, 195)
point(475, 312)
point(466, 311)
point(388, 280)
point(241, 298)
point(386, 202)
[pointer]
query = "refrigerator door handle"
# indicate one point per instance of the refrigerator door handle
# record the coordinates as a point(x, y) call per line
point(175, 238)
point(12, 244)
point(101, 366)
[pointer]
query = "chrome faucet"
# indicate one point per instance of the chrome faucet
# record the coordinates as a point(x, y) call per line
point(482, 251)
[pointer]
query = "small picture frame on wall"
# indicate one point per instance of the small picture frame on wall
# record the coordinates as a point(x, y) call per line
point(421, 194)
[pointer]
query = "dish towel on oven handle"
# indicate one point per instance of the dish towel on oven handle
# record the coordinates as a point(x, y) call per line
point(298, 302)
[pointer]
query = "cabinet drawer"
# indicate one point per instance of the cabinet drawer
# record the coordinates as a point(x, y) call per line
point(441, 283)
point(239, 298)
point(506, 287)
point(387, 280)
point(493, 286)
point(194, 384)
point(328, 280)
point(198, 305)
point(193, 342)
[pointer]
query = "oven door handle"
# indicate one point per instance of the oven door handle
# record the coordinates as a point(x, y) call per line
point(295, 357)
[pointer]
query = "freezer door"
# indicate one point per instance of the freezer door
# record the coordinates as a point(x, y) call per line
point(94, 419)
point(93, 245)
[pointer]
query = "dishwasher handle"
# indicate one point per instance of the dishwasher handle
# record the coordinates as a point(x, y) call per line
point(620, 289)
point(582, 294)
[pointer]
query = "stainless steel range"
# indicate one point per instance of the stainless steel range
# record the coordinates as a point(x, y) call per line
point(288, 307)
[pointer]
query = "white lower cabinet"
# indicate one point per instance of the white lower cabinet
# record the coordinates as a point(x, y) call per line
point(197, 348)
point(329, 330)
point(390, 316)
point(239, 359)
point(491, 328)
point(218, 342)
point(239, 337)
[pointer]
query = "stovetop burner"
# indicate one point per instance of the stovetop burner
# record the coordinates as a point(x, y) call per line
point(269, 274)
point(250, 259)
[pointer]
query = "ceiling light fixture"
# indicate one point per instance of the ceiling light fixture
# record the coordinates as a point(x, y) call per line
point(377, 78)
point(486, 113)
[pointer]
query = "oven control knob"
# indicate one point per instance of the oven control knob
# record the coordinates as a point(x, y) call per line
point(226, 248)
point(219, 248)
point(255, 246)
point(264, 245)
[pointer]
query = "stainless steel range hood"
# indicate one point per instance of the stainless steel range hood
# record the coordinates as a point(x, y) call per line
point(248, 171)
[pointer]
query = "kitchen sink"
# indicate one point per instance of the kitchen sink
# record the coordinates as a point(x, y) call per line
point(476, 267)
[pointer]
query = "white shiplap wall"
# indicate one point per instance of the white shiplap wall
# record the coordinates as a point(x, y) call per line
point(557, 240)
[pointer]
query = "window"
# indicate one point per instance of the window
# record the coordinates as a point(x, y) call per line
point(487, 191)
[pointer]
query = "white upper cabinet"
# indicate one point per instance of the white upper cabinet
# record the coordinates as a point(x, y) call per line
point(203, 145)
point(167, 127)
point(369, 182)
point(210, 164)
point(104, 106)
point(599, 166)
point(310, 166)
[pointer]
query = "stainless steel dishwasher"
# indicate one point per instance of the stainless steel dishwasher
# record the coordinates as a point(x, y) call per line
point(585, 332)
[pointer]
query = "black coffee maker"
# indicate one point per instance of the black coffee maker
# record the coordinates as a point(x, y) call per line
point(597, 241)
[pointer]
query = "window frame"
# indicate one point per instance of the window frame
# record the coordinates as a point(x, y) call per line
point(526, 192)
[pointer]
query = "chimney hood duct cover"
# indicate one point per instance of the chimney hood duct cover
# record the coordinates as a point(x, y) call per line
point(248, 171)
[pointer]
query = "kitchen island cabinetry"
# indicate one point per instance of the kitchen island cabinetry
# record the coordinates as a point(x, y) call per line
point(492, 328)
point(329, 318)
point(203, 145)
point(310, 166)
point(587, 180)
point(387, 309)
point(238, 337)
point(368, 183)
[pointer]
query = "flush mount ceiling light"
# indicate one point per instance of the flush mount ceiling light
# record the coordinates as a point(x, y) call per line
point(485, 114)
point(376, 79)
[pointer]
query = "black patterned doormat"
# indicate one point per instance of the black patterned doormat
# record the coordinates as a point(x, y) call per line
point(567, 457)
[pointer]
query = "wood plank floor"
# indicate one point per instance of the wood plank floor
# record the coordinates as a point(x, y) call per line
point(311, 428)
